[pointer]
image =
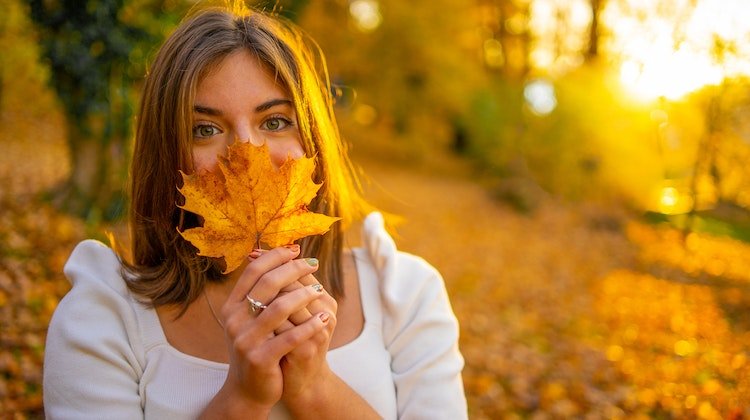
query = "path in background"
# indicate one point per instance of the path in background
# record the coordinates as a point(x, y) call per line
point(560, 312)
point(520, 284)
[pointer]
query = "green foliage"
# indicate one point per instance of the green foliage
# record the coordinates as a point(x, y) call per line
point(86, 47)
point(96, 53)
point(495, 126)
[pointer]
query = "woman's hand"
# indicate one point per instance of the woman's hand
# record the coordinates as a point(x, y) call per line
point(255, 339)
point(305, 368)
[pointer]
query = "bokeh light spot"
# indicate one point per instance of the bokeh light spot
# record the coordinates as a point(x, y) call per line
point(366, 14)
point(540, 96)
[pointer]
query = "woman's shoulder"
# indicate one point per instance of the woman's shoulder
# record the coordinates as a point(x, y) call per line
point(402, 276)
point(93, 264)
point(420, 330)
point(99, 295)
point(94, 334)
point(99, 307)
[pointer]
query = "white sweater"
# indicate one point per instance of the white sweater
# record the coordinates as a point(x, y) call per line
point(107, 356)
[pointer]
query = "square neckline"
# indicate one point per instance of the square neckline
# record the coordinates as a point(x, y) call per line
point(365, 273)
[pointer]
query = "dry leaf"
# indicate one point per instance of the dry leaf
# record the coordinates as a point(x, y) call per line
point(248, 202)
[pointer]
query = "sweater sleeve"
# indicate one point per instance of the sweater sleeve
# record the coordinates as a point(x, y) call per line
point(419, 329)
point(90, 367)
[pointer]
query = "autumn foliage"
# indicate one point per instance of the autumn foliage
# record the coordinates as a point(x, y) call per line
point(567, 309)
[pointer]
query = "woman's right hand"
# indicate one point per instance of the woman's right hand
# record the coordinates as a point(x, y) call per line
point(255, 382)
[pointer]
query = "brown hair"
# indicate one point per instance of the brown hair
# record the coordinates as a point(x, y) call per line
point(165, 268)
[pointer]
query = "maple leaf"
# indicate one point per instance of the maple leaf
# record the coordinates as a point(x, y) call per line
point(247, 202)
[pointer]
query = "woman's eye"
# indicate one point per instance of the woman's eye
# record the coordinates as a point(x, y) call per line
point(276, 123)
point(203, 131)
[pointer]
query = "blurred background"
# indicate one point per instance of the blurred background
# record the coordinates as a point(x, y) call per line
point(577, 170)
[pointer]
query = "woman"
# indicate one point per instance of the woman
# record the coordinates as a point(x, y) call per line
point(166, 335)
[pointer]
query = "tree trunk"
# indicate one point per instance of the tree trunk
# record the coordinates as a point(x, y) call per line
point(593, 49)
point(516, 47)
point(94, 188)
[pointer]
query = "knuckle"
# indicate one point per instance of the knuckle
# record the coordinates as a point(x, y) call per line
point(240, 346)
point(233, 325)
point(253, 270)
point(269, 278)
point(321, 338)
point(290, 338)
point(284, 305)
point(291, 287)
point(255, 358)
point(306, 352)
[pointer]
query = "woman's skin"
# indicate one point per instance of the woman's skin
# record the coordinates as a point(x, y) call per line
point(279, 353)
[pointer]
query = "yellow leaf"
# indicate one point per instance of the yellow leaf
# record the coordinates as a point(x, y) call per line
point(247, 202)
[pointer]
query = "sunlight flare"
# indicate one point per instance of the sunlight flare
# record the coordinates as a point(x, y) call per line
point(669, 55)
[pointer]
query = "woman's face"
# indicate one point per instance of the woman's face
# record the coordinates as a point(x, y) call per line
point(239, 99)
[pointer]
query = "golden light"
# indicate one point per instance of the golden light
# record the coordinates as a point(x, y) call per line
point(366, 14)
point(669, 197)
point(365, 114)
point(554, 50)
point(493, 53)
point(669, 74)
point(671, 200)
point(668, 55)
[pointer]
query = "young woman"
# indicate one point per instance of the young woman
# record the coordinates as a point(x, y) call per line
point(360, 333)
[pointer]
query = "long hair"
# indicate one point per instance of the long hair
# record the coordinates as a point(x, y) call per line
point(164, 267)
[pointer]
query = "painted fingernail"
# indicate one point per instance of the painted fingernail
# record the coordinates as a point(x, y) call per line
point(324, 317)
point(292, 247)
point(317, 287)
point(311, 261)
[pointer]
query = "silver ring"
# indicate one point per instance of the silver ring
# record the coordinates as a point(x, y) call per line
point(255, 305)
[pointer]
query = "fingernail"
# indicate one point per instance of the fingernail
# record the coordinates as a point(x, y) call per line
point(317, 287)
point(324, 317)
point(292, 247)
point(311, 261)
point(256, 253)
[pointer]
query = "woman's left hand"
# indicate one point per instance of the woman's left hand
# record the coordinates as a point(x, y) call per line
point(305, 367)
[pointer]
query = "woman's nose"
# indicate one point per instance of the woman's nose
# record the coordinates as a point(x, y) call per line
point(246, 135)
point(254, 140)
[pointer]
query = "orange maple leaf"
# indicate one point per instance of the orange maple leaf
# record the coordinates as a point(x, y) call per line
point(248, 202)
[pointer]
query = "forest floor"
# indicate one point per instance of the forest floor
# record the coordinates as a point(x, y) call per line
point(569, 310)
point(579, 309)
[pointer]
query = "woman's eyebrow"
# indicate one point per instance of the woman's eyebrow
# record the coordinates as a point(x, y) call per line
point(206, 110)
point(201, 109)
point(272, 103)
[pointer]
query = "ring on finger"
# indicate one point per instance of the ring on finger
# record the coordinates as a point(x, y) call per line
point(255, 306)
